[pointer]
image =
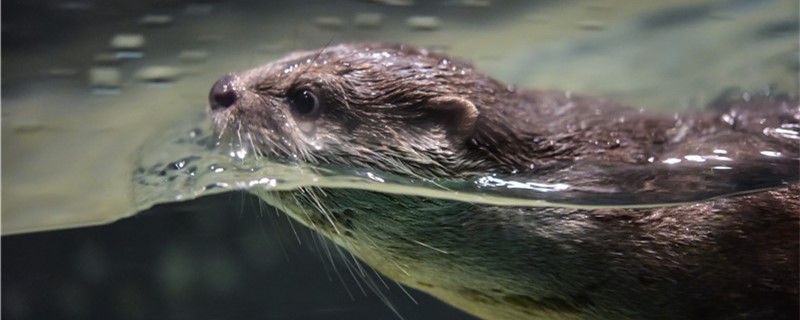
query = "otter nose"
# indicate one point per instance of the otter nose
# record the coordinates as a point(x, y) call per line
point(222, 94)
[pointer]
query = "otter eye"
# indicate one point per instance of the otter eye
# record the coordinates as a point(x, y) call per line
point(304, 103)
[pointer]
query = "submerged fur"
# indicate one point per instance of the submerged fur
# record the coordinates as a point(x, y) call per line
point(406, 111)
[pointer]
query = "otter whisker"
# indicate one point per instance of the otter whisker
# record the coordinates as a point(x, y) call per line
point(377, 275)
point(278, 149)
point(239, 133)
point(222, 130)
point(373, 286)
point(291, 225)
point(310, 63)
point(333, 264)
point(429, 246)
point(305, 156)
point(321, 207)
point(350, 268)
point(408, 294)
point(397, 265)
point(298, 198)
point(323, 250)
point(368, 281)
point(256, 151)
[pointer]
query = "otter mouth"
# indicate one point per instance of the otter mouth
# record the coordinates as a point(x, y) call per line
point(250, 124)
point(232, 135)
point(242, 142)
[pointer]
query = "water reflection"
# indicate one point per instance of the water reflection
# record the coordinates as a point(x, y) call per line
point(680, 179)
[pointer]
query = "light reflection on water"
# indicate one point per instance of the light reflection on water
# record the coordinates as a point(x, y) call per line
point(188, 162)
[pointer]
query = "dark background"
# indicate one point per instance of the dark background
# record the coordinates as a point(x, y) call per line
point(221, 257)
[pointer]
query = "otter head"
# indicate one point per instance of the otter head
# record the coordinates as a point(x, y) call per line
point(395, 108)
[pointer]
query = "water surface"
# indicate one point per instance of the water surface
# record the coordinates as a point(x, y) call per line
point(72, 152)
point(78, 155)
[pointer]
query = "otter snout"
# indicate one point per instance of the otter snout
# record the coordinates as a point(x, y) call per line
point(223, 93)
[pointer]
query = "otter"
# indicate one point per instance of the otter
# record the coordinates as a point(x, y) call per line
point(407, 111)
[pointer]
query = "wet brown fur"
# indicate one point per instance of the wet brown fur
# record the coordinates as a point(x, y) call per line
point(404, 110)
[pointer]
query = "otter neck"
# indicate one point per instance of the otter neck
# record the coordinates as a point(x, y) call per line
point(523, 131)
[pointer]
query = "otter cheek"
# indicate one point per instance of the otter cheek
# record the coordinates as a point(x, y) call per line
point(307, 127)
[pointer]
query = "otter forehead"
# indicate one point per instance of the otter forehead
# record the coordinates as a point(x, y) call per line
point(372, 64)
point(373, 54)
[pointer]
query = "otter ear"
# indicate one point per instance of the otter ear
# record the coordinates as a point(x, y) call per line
point(455, 114)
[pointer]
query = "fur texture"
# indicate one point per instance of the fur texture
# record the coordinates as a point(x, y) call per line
point(406, 111)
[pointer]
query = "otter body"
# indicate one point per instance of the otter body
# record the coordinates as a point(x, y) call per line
point(406, 111)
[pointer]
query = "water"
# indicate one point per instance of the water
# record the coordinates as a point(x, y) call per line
point(80, 152)
point(60, 135)
point(189, 161)
point(51, 118)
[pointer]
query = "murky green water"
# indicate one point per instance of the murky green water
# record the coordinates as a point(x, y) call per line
point(79, 154)
point(92, 134)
